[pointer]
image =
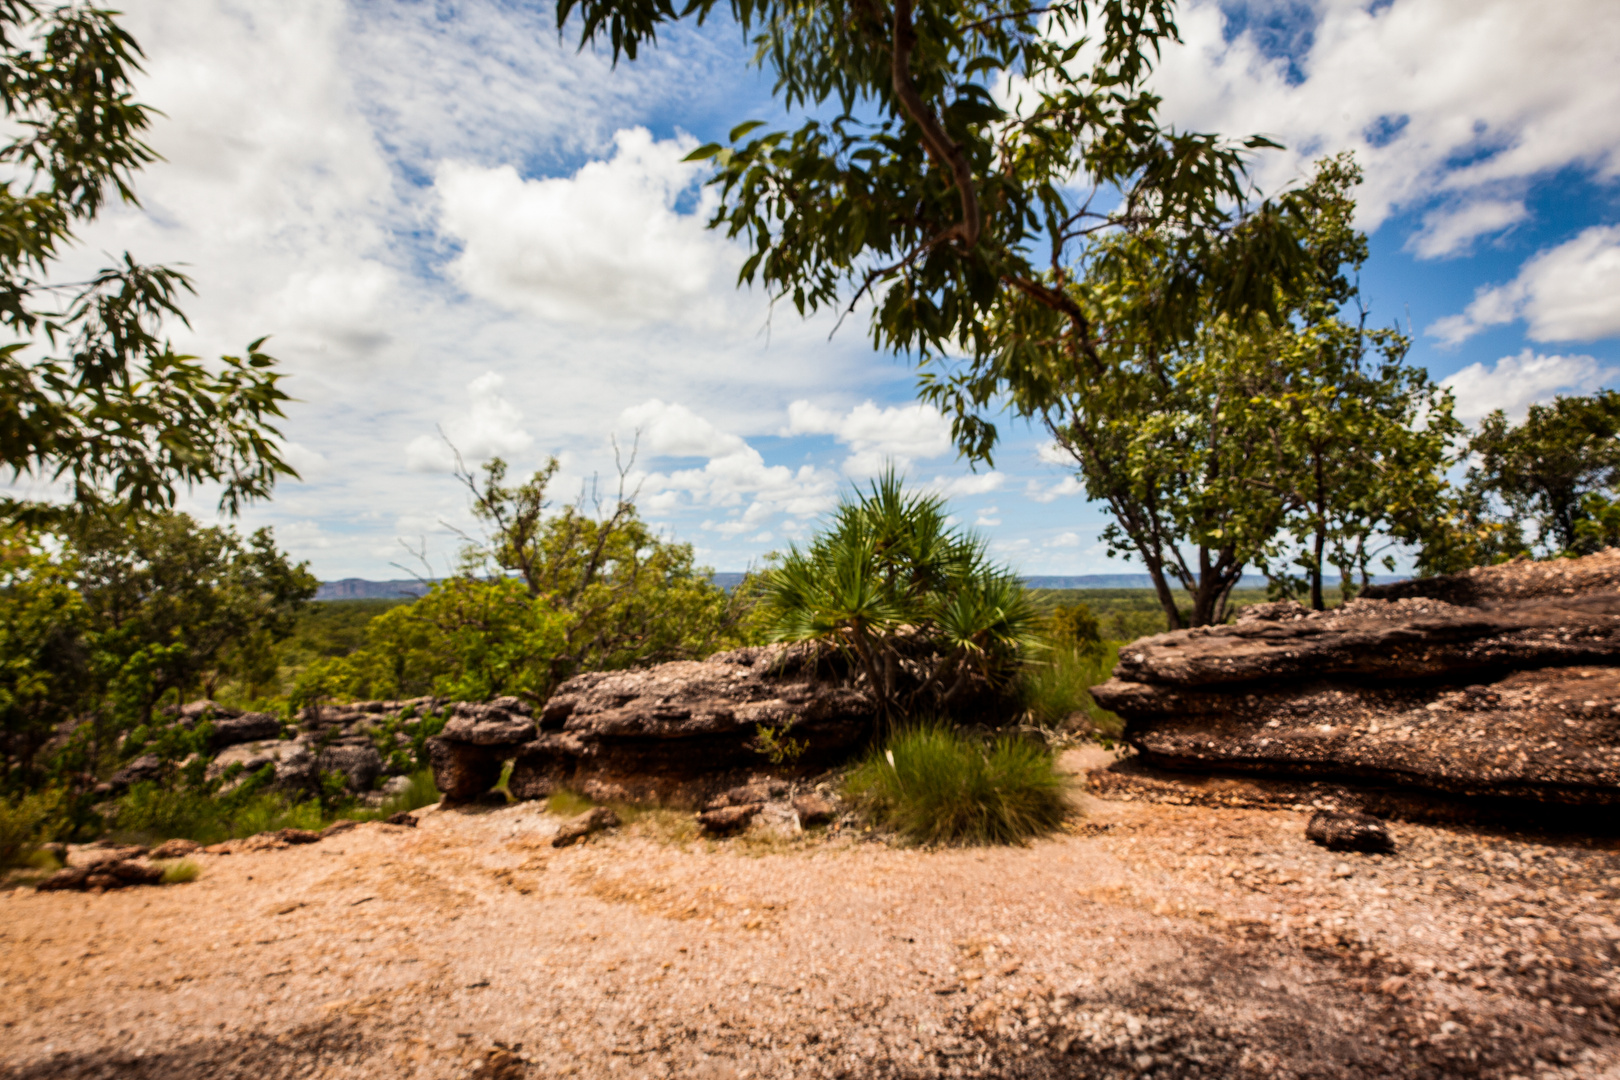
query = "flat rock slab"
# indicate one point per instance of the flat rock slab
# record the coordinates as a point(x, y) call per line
point(1551, 735)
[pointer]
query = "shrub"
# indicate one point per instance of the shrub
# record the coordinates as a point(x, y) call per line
point(1057, 687)
point(152, 812)
point(21, 824)
point(178, 873)
point(938, 785)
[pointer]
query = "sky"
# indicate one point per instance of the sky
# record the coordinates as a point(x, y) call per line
point(458, 229)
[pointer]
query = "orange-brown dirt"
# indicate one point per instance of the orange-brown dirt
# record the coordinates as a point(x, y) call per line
point(1148, 940)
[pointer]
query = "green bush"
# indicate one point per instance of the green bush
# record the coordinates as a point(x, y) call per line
point(178, 873)
point(151, 812)
point(1057, 687)
point(938, 785)
point(21, 825)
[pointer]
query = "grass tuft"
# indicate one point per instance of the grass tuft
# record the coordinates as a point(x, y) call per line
point(566, 803)
point(178, 873)
point(936, 785)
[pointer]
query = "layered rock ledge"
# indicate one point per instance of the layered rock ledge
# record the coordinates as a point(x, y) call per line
point(675, 734)
point(1501, 683)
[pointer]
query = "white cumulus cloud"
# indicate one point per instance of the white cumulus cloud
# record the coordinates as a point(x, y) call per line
point(491, 427)
point(606, 243)
point(1567, 293)
point(897, 434)
point(1451, 230)
point(1513, 383)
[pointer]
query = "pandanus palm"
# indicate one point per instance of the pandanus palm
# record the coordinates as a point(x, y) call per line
point(917, 605)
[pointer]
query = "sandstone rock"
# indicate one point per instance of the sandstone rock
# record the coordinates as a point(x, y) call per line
point(396, 785)
point(813, 809)
point(591, 821)
point(361, 765)
point(679, 732)
point(193, 711)
point(249, 727)
point(405, 818)
point(1340, 831)
point(759, 791)
point(144, 768)
point(729, 819)
point(464, 771)
point(341, 825)
point(1496, 684)
point(175, 849)
point(489, 725)
point(293, 759)
point(112, 874)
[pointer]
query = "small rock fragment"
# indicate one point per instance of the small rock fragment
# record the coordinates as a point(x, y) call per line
point(813, 809)
point(591, 821)
point(1342, 830)
point(175, 849)
point(341, 825)
point(728, 819)
point(404, 817)
point(297, 836)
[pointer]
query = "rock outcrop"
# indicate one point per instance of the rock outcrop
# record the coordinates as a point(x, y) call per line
point(680, 732)
point(1501, 683)
point(469, 754)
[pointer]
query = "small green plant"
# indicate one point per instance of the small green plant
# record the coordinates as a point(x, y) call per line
point(568, 803)
point(178, 873)
point(150, 812)
point(937, 785)
point(774, 744)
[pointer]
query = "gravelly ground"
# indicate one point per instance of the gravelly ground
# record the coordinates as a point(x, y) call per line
point(1151, 940)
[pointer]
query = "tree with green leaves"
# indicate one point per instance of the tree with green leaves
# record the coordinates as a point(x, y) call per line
point(44, 663)
point(1557, 470)
point(91, 393)
point(1267, 442)
point(967, 174)
point(924, 617)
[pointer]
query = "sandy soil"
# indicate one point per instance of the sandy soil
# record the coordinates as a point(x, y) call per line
point(1150, 940)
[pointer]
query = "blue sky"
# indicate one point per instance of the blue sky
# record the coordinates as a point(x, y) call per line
point(451, 222)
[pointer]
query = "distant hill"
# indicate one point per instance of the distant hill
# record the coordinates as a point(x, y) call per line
point(361, 589)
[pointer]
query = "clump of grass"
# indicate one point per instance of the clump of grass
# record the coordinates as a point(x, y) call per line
point(178, 873)
point(422, 792)
point(150, 813)
point(937, 785)
point(566, 803)
point(1056, 689)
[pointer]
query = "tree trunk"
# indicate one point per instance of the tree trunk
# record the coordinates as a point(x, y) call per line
point(1317, 603)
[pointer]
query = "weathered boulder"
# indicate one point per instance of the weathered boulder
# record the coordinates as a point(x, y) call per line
point(1339, 830)
point(578, 828)
point(724, 820)
point(249, 727)
point(359, 763)
point(144, 768)
point(294, 761)
point(1501, 683)
point(813, 809)
point(680, 732)
point(468, 755)
point(175, 849)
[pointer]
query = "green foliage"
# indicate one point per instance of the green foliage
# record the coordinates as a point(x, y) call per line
point(153, 812)
point(629, 596)
point(919, 181)
point(937, 785)
point(1072, 626)
point(1543, 470)
point(23, 824)
point(775, 744)
point(89, 389)
point(1209, 448)
point(1056, 689)
point(43, 658)
point(179, 873)
point(916, 605)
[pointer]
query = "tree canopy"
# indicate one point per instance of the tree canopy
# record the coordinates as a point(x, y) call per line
point(90, 390)
point(963, 170)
